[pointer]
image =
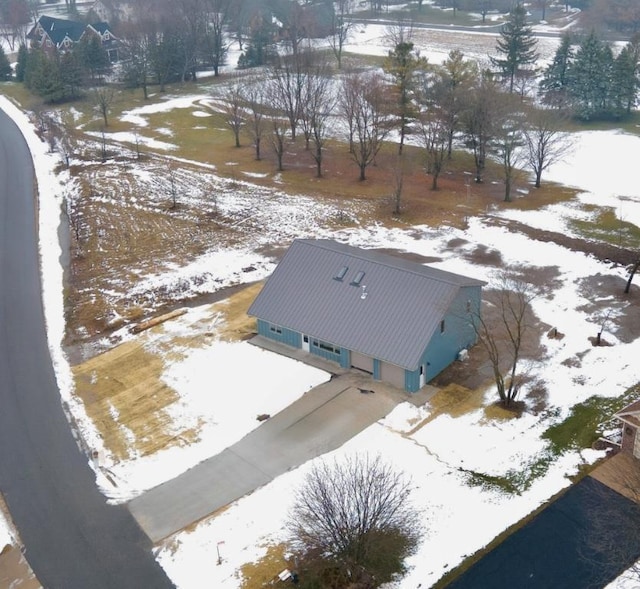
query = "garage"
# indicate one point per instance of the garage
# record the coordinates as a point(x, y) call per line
point(392, 374)
point(362, 362)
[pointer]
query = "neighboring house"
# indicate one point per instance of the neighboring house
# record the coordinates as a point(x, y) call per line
point(58, 35)
point(400, 321)
point(630, 418)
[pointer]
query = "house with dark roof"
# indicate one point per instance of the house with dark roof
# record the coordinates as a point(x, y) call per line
point(401, 321)
point(59, 35)
point(629, 418)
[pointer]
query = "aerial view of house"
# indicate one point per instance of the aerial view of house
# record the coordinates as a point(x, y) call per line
point(401, 321)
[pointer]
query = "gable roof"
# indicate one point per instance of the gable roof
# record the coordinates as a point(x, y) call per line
point(57, 29)
point(391, 315)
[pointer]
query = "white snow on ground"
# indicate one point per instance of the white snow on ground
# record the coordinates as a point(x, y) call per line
point(5, 534)
point(126, 137)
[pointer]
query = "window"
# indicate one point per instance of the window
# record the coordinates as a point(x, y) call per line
point(275, 328)
point(358, 278)
point(341, 273)
point(468, 306)
point(442, 326)
point(325, 346)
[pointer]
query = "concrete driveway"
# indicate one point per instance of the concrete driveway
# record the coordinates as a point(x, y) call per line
point(320, 421)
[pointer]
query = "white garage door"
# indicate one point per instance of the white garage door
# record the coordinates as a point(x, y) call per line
point(392, 374)
point(362, 362)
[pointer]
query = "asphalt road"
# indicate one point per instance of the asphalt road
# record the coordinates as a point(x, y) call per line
point(73, 539)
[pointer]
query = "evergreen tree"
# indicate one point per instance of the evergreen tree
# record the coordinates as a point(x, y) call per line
point(5, 66)
point(555, 81)
point(402, 63)
point(71, 75)
point(92, 55)
point(42, 77)
point(516, 46)
point(590, 77)
point(21, 64)
point(624, 82)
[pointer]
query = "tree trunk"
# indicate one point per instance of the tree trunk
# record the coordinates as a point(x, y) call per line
point(434, 182)
point(507, 190)
point(538, 178)
point(258, 149)
point(363, 168)
point(627, 288)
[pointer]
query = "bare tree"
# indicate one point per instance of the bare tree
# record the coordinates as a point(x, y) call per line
point(633, 268)
point(355, 519)
point(341, 28)
point(214, 45)
point(545, 143)
point(503, 332)
point(234, 112)
point(103, 97)
point(278, 139)
point(480, 120)
point(435, 138)
point(508, 146)
point(316, 108)
point(173, 188)
point(363, 104)
point(288, 82)
point(254, 95)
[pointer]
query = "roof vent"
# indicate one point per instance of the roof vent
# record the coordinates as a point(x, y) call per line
point(364, 293)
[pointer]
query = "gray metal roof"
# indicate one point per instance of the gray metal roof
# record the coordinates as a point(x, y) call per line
point(403, 306)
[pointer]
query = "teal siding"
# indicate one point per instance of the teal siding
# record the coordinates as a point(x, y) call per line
point(279, 334)
point(458, 334)
point(442, 349)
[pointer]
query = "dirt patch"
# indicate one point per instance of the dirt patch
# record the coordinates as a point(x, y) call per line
point(485, 255)
point(264, 571)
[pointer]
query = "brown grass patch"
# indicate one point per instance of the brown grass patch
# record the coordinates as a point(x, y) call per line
point(126, 399)
point(238, 325)
point(259, 574)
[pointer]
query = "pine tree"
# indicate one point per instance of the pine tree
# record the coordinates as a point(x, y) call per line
point(402, 63)
point(21, 64)
point(516, 45)
point(71, 75)
point(590, 77)
point(5, 66)
point(555, 81)
point(624, 82)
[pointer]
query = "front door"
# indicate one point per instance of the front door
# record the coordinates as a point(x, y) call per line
point(305, 343)
point(423, 375)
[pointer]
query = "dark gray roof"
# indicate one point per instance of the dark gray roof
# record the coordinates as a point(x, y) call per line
point(404, 303)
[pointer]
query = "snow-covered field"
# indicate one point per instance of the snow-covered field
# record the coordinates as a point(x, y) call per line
point(439, 456)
